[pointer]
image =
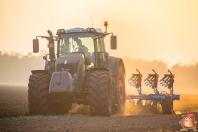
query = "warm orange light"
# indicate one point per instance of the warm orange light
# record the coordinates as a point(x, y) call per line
point(105, 23)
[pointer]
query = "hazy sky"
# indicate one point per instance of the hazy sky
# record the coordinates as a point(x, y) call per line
point(148, 29)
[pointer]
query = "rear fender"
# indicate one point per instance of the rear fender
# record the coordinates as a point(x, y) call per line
point(113, 65)
point(40, 71)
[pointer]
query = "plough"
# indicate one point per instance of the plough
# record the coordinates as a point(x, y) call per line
point(164, 98)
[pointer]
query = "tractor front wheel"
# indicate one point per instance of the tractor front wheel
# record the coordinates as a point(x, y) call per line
point(37, 87)
point(100, 94)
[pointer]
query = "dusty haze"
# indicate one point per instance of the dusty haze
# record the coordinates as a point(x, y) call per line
point(16, 68)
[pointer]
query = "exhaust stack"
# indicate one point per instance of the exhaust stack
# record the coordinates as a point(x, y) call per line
point(51, 46)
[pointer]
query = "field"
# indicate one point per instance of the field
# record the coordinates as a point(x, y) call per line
point(14, 116)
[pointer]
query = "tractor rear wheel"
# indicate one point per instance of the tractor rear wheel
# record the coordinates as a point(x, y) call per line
point(167, 105)
point(37, 87)
point(100, 94)
point(119, 93)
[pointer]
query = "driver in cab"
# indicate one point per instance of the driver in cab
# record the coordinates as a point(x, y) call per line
point(81, 48)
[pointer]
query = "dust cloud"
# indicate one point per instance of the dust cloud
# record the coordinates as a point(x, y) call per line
point(80, 109)
point(15, 68)
point(188, 103)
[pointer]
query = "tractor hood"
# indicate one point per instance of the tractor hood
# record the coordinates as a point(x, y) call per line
point(69, 62)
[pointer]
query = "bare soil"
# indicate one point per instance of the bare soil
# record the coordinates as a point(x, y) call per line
point(14, 116)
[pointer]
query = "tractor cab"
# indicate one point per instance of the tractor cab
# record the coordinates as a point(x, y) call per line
point(86, 42)
point(89, 42)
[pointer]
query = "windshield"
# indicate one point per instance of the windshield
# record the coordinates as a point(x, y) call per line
point(77, 42)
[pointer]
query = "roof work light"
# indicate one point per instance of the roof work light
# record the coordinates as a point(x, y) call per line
point(105, 24)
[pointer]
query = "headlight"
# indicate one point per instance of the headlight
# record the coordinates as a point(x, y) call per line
point(62, 30)
point(59, 31)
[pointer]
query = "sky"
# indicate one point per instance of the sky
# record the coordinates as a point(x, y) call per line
point(166, 30)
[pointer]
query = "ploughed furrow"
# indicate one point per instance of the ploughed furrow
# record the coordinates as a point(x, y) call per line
point(98, 93)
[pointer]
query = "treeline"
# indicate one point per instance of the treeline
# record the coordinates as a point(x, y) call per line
point(16, 68)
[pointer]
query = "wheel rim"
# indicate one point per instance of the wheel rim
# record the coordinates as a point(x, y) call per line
point(121, 92)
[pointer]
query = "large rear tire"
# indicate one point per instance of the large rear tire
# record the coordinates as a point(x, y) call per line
point(167, 105)
point(37, 87)
point(100, 94)
point(119, 93)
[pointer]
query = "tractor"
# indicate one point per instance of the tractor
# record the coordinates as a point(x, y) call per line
point(80, 72)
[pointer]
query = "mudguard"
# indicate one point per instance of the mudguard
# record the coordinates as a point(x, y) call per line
point(40, 71)
point(113, 65)
point(61, 82)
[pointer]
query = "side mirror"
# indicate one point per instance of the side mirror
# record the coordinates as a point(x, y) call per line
point(35, 45)
point(113, 42)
